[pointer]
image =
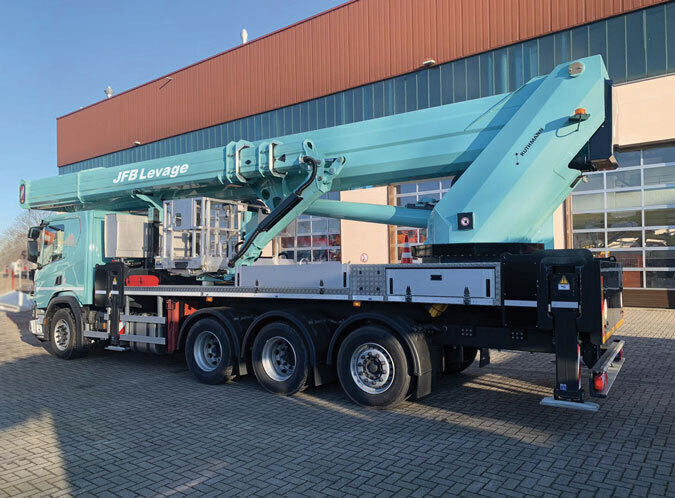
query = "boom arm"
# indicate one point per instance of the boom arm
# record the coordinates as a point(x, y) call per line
point(513, 151)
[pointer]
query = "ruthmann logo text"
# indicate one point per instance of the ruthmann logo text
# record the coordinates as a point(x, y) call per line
point(531, 142)
point(143, 174)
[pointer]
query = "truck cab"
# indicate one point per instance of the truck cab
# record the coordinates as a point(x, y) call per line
point(66, 248)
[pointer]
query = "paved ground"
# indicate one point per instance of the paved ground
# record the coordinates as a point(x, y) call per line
point(117, 424)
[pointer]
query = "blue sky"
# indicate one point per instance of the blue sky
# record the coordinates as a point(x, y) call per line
point(58, 56)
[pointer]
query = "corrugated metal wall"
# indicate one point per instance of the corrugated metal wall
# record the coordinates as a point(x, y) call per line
point(357, 43)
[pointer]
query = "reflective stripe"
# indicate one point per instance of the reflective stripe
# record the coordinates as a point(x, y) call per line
point(521, 303)
point(564, 304)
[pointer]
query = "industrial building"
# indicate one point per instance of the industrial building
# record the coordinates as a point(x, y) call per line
point(371, 58)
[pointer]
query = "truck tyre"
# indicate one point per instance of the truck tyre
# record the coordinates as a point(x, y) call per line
point(373, 367)
point(63, 335)
point(469, 357)
point(209, 352)
point(280, 359)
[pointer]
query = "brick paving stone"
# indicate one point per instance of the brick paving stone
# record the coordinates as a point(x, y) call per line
point(126, 424)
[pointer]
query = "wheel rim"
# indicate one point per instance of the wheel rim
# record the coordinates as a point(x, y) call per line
point(61, 335)
point(208, 351)
point(372, 368)
point(278, 359)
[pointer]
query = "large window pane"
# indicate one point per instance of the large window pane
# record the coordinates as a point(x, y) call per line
point(629, 259)
point(627, 158)
point(348, 106)
point(595, 182)
point(501, 71)
point(656, 40)
point(423, 89)
point(434, 86)
point(530, 59)
point(472, 78)
point(486, 79)
point(357, 96)
point(589, 240)
point(580, 42)
point(587, 202)
point(659, 196)
point(410, 92)
point(660, 217)
point(446, 84)
point(616, 49)
point(428, 186)
point(589, 220)
point(367, 102)
point(378, 99)
point(597, 39)
point(660, 237)
point(622, 219)
point(670, 34)
point(624, 239)
point(656, 176)
point(635, 46)
point(659, 155)
point(459, 80)
point(389, 97)
point(406, 188)
point(661, 279)
point(515, 57)
point(546, 62)
point(330, 110)
point(662, 259)
point(622, 179)
point(399, 95)
point(632, 279)
point(562, 47)
point(618, 200)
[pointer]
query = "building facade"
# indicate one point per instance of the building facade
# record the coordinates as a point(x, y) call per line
point(371, 58)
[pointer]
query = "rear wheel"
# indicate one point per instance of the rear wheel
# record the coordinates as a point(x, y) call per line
point(373, 367)
point(209, 352)
point(280, 359)
point(63, 335)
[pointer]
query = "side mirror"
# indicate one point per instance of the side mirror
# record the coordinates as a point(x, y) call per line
point(34, 233)
point(33, 252)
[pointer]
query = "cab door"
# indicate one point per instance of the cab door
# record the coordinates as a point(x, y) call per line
point(59, 260)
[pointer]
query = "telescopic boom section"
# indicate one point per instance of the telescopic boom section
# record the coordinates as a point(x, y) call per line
point(518, 155)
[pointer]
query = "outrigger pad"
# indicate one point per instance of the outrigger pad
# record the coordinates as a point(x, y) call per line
point(586, 406)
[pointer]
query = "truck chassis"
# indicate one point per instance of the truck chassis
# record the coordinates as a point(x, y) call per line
point(386, 331)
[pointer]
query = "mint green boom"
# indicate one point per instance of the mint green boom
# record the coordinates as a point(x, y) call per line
point(512, 151)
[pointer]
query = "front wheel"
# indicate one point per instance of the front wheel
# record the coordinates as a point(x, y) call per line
point(373, 367)
point(63, 335)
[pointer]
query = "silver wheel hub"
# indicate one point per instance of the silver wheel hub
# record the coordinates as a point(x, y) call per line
point(372, 368)
point(278, 359)
point(61, 335)
point(208, 351)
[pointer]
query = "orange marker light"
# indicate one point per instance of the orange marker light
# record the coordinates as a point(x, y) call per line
point(209, 299)
point(580, 110)
point(356, 304)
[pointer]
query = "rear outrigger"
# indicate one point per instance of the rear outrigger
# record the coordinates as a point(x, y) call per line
point(167, 255)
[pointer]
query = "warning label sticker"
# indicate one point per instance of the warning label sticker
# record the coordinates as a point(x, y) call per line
point(564, 284)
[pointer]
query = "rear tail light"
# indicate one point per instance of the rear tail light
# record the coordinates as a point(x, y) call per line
point(599, 381)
